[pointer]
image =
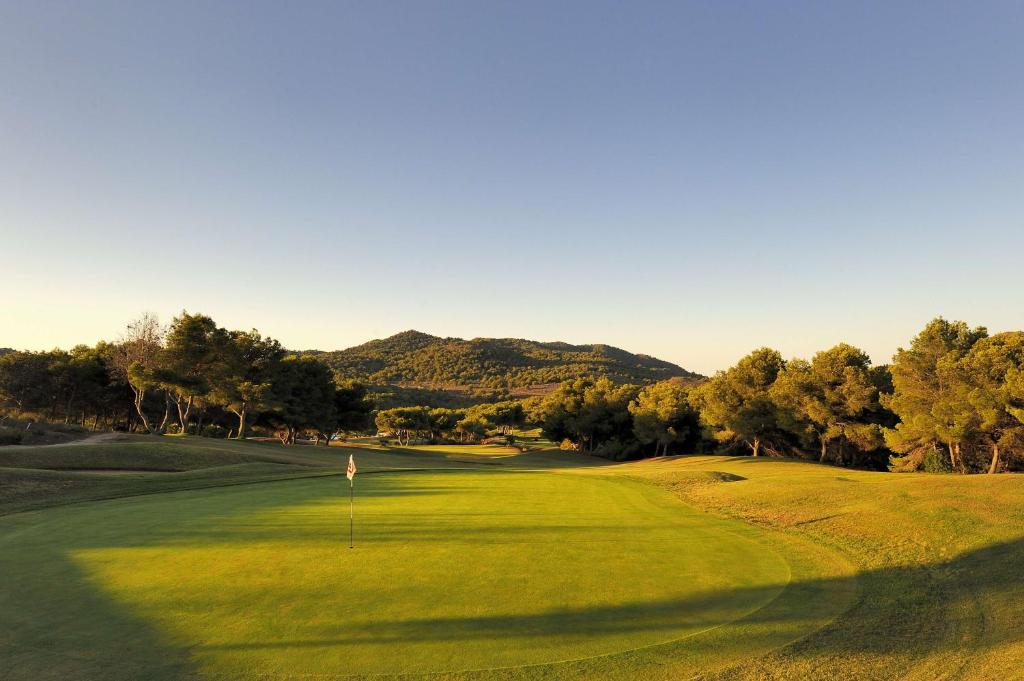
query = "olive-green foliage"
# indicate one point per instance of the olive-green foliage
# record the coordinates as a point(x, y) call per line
point(404, 423)
point(195, 349)
point(63, 385)
point(388, 396)
point(980, 382)
point(242, 383)
point(593, 414)
point(500, 363)
point(923, 399)
point(663, 416)
point(959, 389)
point(303, 393)
point(834, 399)
point(736, 404)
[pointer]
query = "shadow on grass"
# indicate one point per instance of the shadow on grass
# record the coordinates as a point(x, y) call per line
point(56, 623)
point(905, 610)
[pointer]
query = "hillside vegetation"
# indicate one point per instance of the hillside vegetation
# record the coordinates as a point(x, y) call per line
point(497, 363)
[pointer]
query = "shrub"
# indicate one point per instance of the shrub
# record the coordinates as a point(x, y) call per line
point(213, 430)
point(935, 461)
point(617, 450)
point(10, 436)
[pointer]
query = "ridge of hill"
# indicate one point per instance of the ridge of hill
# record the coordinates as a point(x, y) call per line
point(417, 359)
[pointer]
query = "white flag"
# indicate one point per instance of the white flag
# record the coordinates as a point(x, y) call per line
point(351, 471)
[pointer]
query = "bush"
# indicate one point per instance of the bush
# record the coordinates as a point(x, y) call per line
point(935, 461)
point(213, 430)
point(10, 436)
point(619, 451)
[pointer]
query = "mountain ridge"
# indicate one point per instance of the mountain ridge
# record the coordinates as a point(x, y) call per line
point(416, 358)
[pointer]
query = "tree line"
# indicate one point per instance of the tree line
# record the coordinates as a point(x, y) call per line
point(461, 425)
point(951, 401)
point(158, 379)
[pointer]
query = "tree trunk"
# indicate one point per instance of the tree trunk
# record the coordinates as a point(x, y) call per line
point(756, 446)
point(241, 421)
point(167, 414)
point(995, 460)
point(824, 451)
point(952, 456)
point(139, 396)
point(183, 412)
point(71, 403)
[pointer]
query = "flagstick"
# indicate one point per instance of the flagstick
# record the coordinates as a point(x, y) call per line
point(351, 501)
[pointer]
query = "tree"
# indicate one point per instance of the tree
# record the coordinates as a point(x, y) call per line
point(242, 384)
point(589, 413)
point(736, 403)
point(404, 422)
point(352, 406)
point(471, 426)
point(302, 393)
point(834, 397)
point(135, 360)
point(25, 380)
point(929, 411)
point(444, 420)
point(350, 412)
point(981, 378)
point(662, 415)
point(194, 349)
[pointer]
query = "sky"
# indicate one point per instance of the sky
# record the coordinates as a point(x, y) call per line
point(689, 180)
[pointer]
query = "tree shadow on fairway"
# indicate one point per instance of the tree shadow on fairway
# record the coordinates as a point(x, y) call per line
point(911, 612)
point(56, 624)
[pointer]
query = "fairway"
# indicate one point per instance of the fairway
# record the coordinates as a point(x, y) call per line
point(481, 565)
point(453, 571)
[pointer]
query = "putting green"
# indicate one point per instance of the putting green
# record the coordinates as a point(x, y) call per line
point(452, 571)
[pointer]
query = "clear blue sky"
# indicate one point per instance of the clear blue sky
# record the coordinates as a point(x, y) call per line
point(688, 180)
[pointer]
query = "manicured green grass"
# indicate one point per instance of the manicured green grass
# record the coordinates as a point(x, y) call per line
point(473, 563)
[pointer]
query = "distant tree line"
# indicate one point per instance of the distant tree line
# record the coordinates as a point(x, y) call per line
point(461, 425)
point(192, 377)
point(952, 401)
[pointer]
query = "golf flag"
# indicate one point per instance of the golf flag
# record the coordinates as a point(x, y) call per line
point(350, 473)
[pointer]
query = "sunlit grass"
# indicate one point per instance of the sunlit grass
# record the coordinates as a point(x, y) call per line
point(545, 564)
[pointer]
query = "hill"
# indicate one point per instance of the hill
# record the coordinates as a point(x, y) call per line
point(413, 358)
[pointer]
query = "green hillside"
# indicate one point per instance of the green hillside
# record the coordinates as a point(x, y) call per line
point(412, 357)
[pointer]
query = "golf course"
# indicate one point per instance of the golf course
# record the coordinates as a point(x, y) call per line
point(167, 558)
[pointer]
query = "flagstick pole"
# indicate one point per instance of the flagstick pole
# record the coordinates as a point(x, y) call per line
point(351, 501)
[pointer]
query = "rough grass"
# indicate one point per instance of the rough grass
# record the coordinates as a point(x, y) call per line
point(517, 566)
point(939, 562)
